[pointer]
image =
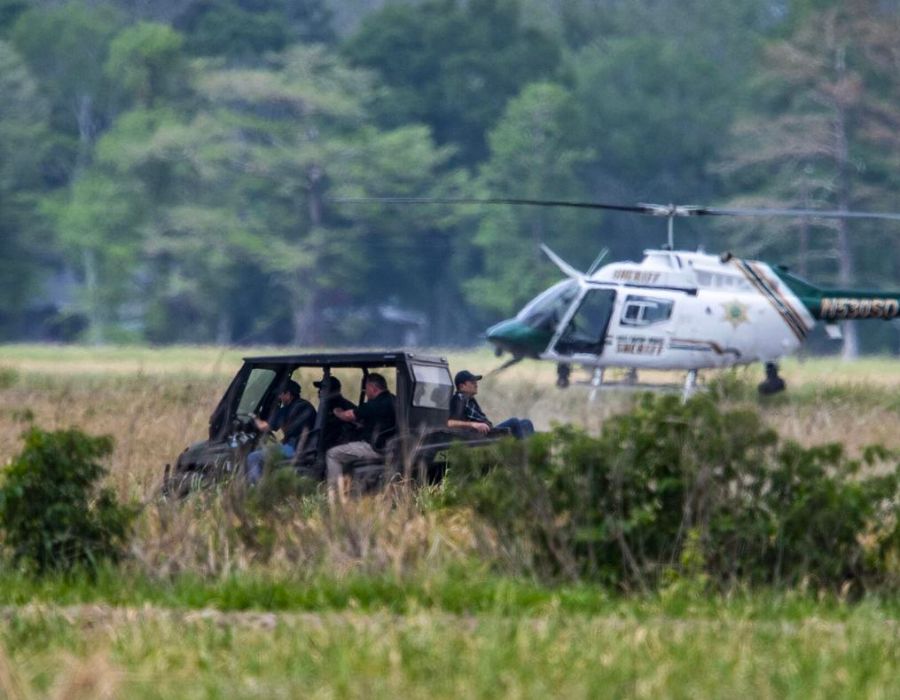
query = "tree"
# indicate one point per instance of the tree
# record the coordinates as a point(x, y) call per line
point(452, 65)
point(246, 28)
point(221, 206)
point(146, 63)
point(823, 131)
point(532, 156)
point(9, 12)
point(65, 47)
point(23, 133)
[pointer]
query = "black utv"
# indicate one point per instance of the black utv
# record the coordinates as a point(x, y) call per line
point(422, 387)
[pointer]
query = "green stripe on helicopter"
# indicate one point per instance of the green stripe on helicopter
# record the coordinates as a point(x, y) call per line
point(841, 304)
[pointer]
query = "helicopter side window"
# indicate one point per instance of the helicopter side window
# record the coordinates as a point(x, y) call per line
point(645, 311)
point(721, 281)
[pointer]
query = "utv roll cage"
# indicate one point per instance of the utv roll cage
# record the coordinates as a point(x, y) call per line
point(422, 387)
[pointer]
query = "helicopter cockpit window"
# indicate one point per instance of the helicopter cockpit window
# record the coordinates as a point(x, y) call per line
point(645, 311)
point(548, 308)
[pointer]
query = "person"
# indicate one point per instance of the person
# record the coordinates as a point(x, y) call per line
point(466, 413)
point(773, 383)
point(294, 417)
point(334, 431)
point(377, 419)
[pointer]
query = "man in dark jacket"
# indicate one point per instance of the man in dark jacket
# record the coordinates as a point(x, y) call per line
point(294, 417)
point(466, 413)
point(334, 430)
point(377, 421)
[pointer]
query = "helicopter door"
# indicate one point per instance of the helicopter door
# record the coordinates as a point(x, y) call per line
point(585, 331)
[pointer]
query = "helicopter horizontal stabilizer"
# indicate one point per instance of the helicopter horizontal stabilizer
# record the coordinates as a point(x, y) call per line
point(567, 269)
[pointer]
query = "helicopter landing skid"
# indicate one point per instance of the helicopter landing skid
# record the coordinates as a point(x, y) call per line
point(630, 383)
point(626, 386)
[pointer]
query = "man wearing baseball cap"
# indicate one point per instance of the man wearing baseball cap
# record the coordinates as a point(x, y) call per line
point(466, 413)
point(294, 416)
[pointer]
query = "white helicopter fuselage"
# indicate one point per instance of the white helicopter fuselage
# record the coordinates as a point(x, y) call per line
point(677, 310)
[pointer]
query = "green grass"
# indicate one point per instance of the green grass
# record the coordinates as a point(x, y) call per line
point(445, 627)
point(153, 653)
point(457, 590)
point(454, 634)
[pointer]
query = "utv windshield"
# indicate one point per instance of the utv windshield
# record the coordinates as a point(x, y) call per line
point(548, 308)
point(257, 383)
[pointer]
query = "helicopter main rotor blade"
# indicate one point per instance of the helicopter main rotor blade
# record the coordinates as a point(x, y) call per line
point(639, 208)
point(796, 213)
point(663, 210)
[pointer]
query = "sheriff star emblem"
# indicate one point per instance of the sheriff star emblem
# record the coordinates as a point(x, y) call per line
point(736, 312)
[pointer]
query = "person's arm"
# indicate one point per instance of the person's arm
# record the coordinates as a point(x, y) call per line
point(262, 425)
point(457, 417)
point(483, 428)
point(348, 415)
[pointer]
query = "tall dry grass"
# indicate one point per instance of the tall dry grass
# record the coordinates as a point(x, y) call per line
point(225, 532)
point(155, 402)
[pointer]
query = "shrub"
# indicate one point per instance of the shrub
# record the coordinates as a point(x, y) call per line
point(675, 485)
point(8, 377)
point(53, 513)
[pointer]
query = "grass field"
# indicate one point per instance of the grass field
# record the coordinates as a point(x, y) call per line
point(386, 598)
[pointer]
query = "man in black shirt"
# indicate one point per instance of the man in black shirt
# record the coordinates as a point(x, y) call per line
point(294, 417)
point(377, 420)
point(334, 431)
point(466, 413)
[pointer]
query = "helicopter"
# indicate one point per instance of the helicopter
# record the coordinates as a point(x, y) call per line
point(676, 309)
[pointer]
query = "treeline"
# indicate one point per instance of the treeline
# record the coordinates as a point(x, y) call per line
point(173, 171)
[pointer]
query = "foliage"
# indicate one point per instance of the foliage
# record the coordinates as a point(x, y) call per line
point(697, 488)
point(243, 29)
point(532, 154)
point(820, 131)
point(452, 64)
point(145, 61)
point(99, 651)
point(53, 514)
point(174, 171)
point(23, 138)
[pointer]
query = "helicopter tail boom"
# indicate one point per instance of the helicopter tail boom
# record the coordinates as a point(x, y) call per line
point(830, 305)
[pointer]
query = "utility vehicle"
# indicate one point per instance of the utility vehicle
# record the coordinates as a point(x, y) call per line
point(422, 387)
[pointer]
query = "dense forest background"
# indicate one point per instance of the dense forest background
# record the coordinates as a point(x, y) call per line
point(170, 170)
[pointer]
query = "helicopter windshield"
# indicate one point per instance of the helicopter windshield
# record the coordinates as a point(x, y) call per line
point(548, 308)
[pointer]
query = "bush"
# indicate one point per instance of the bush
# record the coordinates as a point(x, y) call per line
point(673, 487)
point(53, 514)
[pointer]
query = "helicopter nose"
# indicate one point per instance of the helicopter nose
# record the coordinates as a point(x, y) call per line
point(515, 337)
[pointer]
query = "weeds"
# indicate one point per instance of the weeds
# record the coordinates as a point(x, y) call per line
point(685, 489)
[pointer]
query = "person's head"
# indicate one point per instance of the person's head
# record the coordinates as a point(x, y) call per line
point(375, 384)
point(290, 390)
point(329, 386)
point(466, 382)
